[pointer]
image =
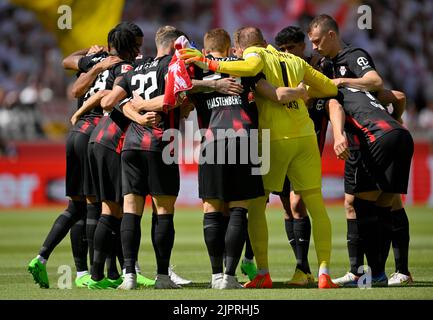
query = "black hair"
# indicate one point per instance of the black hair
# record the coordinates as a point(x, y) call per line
point(136, 30)
point(291, 34)
point(123, 40)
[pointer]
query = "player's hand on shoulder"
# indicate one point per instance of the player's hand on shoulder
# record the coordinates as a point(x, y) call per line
point(338, 82)
point(191, 55)
point(228, 86)
point(188, 53)
point(303, 93)
point(95, 49)
point(109, 62)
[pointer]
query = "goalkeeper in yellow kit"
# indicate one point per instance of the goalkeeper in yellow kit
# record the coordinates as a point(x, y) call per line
point(293, 147)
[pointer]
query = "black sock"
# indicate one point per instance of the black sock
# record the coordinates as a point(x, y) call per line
point(226, 220)
point(64, 222)
point(103, 245)
point(130, 233)
point(162, 240)
point(385, 219)
point(400, 240)
point(288, 224)
point(249, 254)
point(79, 244)
point(93, 214)
point(119, 251)
point(111, 262)
point(302, 232)
point(354, 246)
point(214, 233)
point(369, 230)
point(235, 238)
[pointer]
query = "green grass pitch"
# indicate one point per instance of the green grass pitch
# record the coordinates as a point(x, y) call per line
point(22, 233)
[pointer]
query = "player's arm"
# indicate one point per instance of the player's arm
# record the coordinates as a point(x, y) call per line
point(249, 67)
point(109, 101)
point(319, 85)
point(337, 118)
point(149, 119)
point(139, 104)
point(71, 61)
point(88, 105)
point(398, 100)
point(281, 95)
point(224, 86)
point(371, 81)
point(85, 80)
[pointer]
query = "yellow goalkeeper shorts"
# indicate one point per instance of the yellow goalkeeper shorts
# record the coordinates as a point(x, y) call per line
point(298, 159)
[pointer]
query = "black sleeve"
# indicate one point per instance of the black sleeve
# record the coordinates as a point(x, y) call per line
point(118, 70)
point(87, 62)
point(360, 62)
point(125, 82)
point(119, 118)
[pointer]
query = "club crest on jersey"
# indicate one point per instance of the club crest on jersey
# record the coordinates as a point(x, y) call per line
point(125, 68)
point(343, 70)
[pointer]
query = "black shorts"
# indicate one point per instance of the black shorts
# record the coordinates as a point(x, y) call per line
point(106, 173)
point(384, 166)
point(228, 182)
point(78, 176)
point(144, 173)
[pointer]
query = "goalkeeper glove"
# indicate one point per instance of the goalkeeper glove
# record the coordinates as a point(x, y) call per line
point(191, 55)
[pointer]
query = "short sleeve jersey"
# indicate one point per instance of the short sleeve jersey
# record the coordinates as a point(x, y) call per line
point(148, 80)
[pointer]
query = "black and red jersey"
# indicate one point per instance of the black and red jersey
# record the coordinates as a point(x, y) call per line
point(110, 130)
point(104, 81)
point(221, 111)
point(148, 80)
point(366, 119)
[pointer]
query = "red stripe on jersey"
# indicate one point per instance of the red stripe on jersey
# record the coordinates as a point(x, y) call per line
point(96, 120)
point(112, 129)
point(370, 136)
point(356, 140)
point(237, 124)
point(385, 126)
point(99, 136)
point(84, 127)
point(245, 117)
point(120, 143)
point(145, 143)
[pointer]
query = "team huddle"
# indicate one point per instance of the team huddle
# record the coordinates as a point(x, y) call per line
point(117, 155)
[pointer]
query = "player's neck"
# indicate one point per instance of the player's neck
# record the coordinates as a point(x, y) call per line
point(336, 50)
point(217, 54)
point(163, 52)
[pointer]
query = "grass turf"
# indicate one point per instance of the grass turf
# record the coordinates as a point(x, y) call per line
point(23, 231)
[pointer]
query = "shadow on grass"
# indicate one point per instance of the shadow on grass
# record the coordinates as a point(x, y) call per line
point(283, 285)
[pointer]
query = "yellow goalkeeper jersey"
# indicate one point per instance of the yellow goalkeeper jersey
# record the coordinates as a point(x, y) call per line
point(282, 70)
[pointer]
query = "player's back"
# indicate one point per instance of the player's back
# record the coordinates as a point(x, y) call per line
point(365, 116)
point(148, 80)
point(223, 111)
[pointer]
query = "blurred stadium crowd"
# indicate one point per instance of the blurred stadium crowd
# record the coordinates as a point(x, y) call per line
point(34, 103)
